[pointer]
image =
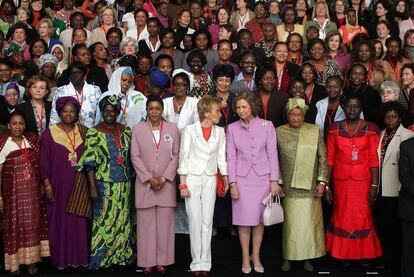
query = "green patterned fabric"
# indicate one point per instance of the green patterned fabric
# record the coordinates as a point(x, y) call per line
point(287, 141)
point(113, 235)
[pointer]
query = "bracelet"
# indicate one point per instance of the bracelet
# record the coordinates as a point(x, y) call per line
point(374, 185)
point(182, 186)
point(322, 183)
point(232, 185)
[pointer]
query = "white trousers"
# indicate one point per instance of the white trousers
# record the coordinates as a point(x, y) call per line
point(200, 211)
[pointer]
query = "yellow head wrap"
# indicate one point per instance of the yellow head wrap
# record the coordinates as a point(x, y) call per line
point(296, 102)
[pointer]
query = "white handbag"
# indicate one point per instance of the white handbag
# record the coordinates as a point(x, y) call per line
point(273, 213)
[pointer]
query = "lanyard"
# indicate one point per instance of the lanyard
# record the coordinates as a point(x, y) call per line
point(264, 105)
point(72, 142)
point(331, 115)
point(157, 145)
point(242, 22)
point(369, 72)
point(279, 80)
point(24, 150)
point(225, 111)
point(124, 109)
point(81, 97)
point(117, 140)
point(248, 84)
point(394, 68)
point(354, 133)
point(39, 115)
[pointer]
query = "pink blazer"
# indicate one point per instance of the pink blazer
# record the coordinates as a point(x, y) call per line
point(148, 163)
point(252, 147)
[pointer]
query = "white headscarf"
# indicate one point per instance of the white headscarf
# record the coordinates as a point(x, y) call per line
point(133, 101)
point(63, 64)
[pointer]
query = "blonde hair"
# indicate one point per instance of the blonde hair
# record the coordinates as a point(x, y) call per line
point(378, 76)
point(103, 9)
point(321, 2)
point(205, 105)
point(47, 21)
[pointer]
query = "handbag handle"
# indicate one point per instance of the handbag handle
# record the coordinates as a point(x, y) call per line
point(269, 199)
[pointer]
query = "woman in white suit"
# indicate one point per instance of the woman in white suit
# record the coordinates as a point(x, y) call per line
point(181, 109)
point(203, 150)
point(389, 228)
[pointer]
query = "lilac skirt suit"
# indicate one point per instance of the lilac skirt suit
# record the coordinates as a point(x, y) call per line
point(252, 164)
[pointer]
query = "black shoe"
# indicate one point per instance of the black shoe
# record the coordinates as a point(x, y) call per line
point(345, 266)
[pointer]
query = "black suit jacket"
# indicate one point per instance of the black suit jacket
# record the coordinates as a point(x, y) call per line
point(144, 49)
point(319, 93)
point(406, 174)
point(96, 76)
point(258, 52)
point(276, 109)
point(27, 110)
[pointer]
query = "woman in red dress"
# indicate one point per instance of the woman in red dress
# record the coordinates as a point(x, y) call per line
point(24, 224)
point(353, 166)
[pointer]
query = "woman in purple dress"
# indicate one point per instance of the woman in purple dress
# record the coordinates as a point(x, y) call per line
point(253, 172)
point(61, 147)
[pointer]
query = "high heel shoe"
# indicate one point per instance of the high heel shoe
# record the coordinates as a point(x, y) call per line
point(246, 270)
point(147, 270)
point(259, 269)
point(161, 269)
point(285, 266)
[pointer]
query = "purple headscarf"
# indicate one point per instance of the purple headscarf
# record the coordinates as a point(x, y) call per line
point(62, 101)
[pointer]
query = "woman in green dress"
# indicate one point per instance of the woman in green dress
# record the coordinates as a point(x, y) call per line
point(109, 172)
point(304, 171)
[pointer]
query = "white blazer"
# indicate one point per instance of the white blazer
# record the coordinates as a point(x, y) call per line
point(390, 182)
point(198, 156)
point(187, 116)
point(322, 106)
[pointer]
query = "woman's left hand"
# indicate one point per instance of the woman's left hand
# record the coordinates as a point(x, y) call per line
point(372, 195)
point(275, 189)
point(320, 189)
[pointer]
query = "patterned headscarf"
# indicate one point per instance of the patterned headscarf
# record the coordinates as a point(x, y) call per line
point(48, 58)
point(12, 50)
point(296, 102)
point(110, 100)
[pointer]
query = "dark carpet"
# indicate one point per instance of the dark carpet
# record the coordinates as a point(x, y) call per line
point(226, 254)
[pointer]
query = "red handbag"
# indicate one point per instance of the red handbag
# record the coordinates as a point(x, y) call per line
point(220, 185)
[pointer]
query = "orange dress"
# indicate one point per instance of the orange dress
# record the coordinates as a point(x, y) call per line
point(351, 234)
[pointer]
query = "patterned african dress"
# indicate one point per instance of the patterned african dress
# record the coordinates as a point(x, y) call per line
point(351, 233)
point(113, 235)
point(24, 222)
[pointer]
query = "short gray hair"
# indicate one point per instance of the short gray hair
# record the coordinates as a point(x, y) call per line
point(390, 85)
point(125, 42)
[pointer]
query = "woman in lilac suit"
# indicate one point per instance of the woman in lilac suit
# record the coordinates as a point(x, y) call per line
point(155, 146)
point(253, 172)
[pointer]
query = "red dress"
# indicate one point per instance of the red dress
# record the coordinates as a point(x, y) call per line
point(351, 234)
point(24, 220)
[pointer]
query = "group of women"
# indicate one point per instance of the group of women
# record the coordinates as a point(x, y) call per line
point(199, 117)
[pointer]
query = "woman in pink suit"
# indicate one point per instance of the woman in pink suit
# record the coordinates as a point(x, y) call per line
point(155, 146)
point(253, 172)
